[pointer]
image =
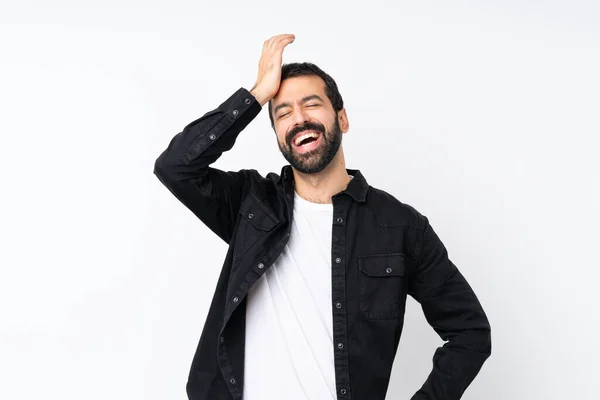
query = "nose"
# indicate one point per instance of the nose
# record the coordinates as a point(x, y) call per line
point(299, 117)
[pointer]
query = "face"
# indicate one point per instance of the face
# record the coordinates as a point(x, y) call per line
point(308, 131)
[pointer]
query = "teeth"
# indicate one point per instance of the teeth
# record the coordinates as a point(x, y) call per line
point(300, 138)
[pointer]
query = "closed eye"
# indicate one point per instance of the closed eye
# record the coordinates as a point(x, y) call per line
point(308, 105)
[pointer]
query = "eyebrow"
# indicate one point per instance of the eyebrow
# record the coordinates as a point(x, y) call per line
point(304, 100)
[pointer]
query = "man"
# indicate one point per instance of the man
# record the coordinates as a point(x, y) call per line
point(310, 300)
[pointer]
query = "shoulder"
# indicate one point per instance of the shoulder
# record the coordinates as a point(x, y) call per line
point(266, 189)
point(390, 211)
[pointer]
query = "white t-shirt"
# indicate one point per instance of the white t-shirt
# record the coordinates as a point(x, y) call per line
point(289, 318)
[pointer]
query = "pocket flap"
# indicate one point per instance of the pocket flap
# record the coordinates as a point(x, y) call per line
point(257, 214)
point(391, 264)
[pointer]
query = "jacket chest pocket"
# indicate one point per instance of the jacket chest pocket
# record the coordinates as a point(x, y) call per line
point(382, 285)
point(255, 222)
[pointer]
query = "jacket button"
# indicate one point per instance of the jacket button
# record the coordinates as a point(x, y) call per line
point(235, 112)
point(235, 299)
point(222, 339)
point(340, 220)
point(338, 305)
point(212, 136)
point(343, 391)
point(388, 270)
point(250, 215)
point(340, 346)
point(247, 101)
point(232, 381)
point(338, 260)
point(261, 265)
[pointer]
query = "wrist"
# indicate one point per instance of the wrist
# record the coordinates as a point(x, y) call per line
point(259, 96)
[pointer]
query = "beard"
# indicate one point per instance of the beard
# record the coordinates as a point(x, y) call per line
point(319, 158)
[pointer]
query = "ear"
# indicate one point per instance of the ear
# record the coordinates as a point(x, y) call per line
point(343, 119)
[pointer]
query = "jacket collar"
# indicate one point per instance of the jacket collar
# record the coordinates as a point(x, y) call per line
point(357, 188)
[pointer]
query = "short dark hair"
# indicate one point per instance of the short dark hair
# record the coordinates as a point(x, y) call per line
point(292, 70)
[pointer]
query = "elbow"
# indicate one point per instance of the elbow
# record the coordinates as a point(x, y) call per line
point(486, 343)
point(475, 340)
point(165, 171)
point(482, 341)
point(486, 333)
point(160, 168)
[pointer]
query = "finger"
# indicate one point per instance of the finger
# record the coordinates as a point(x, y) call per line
point(279, 46)
point(285, 42)
point(276, 40)
point(284, 36)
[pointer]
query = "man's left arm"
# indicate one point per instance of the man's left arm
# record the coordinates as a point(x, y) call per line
point(454, 312)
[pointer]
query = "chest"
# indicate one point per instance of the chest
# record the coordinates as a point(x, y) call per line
point(364, 262)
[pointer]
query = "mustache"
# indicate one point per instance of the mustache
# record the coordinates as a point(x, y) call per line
point(308, 126)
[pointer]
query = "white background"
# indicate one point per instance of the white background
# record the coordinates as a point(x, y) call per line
point(483, 115)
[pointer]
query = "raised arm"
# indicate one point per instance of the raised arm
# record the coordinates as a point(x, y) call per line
point(184, 167)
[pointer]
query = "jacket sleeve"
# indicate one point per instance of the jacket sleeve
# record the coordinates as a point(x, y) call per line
point(213, 195)
point(454, 312)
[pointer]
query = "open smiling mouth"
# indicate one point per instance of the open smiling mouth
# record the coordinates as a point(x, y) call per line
point(307, 141)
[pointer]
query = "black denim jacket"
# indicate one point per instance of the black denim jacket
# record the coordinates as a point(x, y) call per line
point(382, 251)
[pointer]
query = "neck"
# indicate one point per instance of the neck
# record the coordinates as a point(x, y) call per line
point(321, 186)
